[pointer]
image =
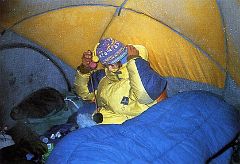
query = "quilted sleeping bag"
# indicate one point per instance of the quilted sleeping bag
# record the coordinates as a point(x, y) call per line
point(189, 127)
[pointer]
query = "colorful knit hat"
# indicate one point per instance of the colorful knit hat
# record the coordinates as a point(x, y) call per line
point(110, 51)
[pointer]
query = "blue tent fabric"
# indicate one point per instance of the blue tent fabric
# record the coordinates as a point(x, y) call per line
point(189, 127)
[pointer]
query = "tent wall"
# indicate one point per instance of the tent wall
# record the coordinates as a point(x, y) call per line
point(24, 68)
point(68, 30)
point(197, 21)
point(230, 11)
point(1, 29)
point(194, 44)
point(180, 30)
point(16, 11)
point(169, 53)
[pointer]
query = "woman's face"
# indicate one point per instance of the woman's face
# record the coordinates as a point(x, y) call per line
point(114, 67)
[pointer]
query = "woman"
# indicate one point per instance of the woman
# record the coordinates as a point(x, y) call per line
point(127, 85)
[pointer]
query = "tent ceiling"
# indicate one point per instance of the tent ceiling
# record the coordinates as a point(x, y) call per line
point(170, 54)
point(14, 11)
point(200, 21)
point(68, 27)
point(68, 32)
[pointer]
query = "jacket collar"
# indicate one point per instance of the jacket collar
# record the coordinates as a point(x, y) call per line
point(120, 74)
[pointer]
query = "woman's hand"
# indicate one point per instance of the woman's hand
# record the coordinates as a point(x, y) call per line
point(132, 51)
point(87, 63)
point(87, 59)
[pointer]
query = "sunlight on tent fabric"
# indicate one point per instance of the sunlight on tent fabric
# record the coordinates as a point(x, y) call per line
point(68, 32)
point(198, 20)
point(169, 53)
point(68, 27)
point(13, 11)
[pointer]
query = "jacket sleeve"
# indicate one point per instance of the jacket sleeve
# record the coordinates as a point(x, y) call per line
point(146, 84)
point(86, 84)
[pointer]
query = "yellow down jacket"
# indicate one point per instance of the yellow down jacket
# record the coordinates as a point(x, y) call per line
point(124, 94)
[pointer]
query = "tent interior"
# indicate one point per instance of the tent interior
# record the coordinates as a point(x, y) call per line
point(193, 44)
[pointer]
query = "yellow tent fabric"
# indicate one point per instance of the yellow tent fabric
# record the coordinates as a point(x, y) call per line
point(185, 38)
point(169, 53)
point(69, 31)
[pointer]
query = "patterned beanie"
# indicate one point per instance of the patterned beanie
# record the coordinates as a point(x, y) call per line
point(110, 51)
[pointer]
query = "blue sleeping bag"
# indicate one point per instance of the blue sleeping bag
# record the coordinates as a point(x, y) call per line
point(189, 127)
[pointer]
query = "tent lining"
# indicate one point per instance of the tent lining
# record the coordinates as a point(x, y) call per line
point(225, 46)
point(118, 12)
point(27, 46)
point(184, 37)
point(121, 7)
point(54, 9)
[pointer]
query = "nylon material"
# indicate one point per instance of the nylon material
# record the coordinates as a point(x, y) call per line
point(153, 83)
point(83, 89)
point(159, 135)
point(137, 86)
point(198, 20)
point(15, 10)
point(181, 63)
point(169, 54)
point(111, 94)
point(96, 78)
point(1, 29)
point(231, 13)
point(234, 67)
point(109, 117)
point(65, 33)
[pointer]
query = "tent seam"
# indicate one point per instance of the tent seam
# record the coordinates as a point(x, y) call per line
point(184, 37)
point(28, 46)
point(225, 47)
point(70, 6)
point(121, 7)
point(118, 11)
